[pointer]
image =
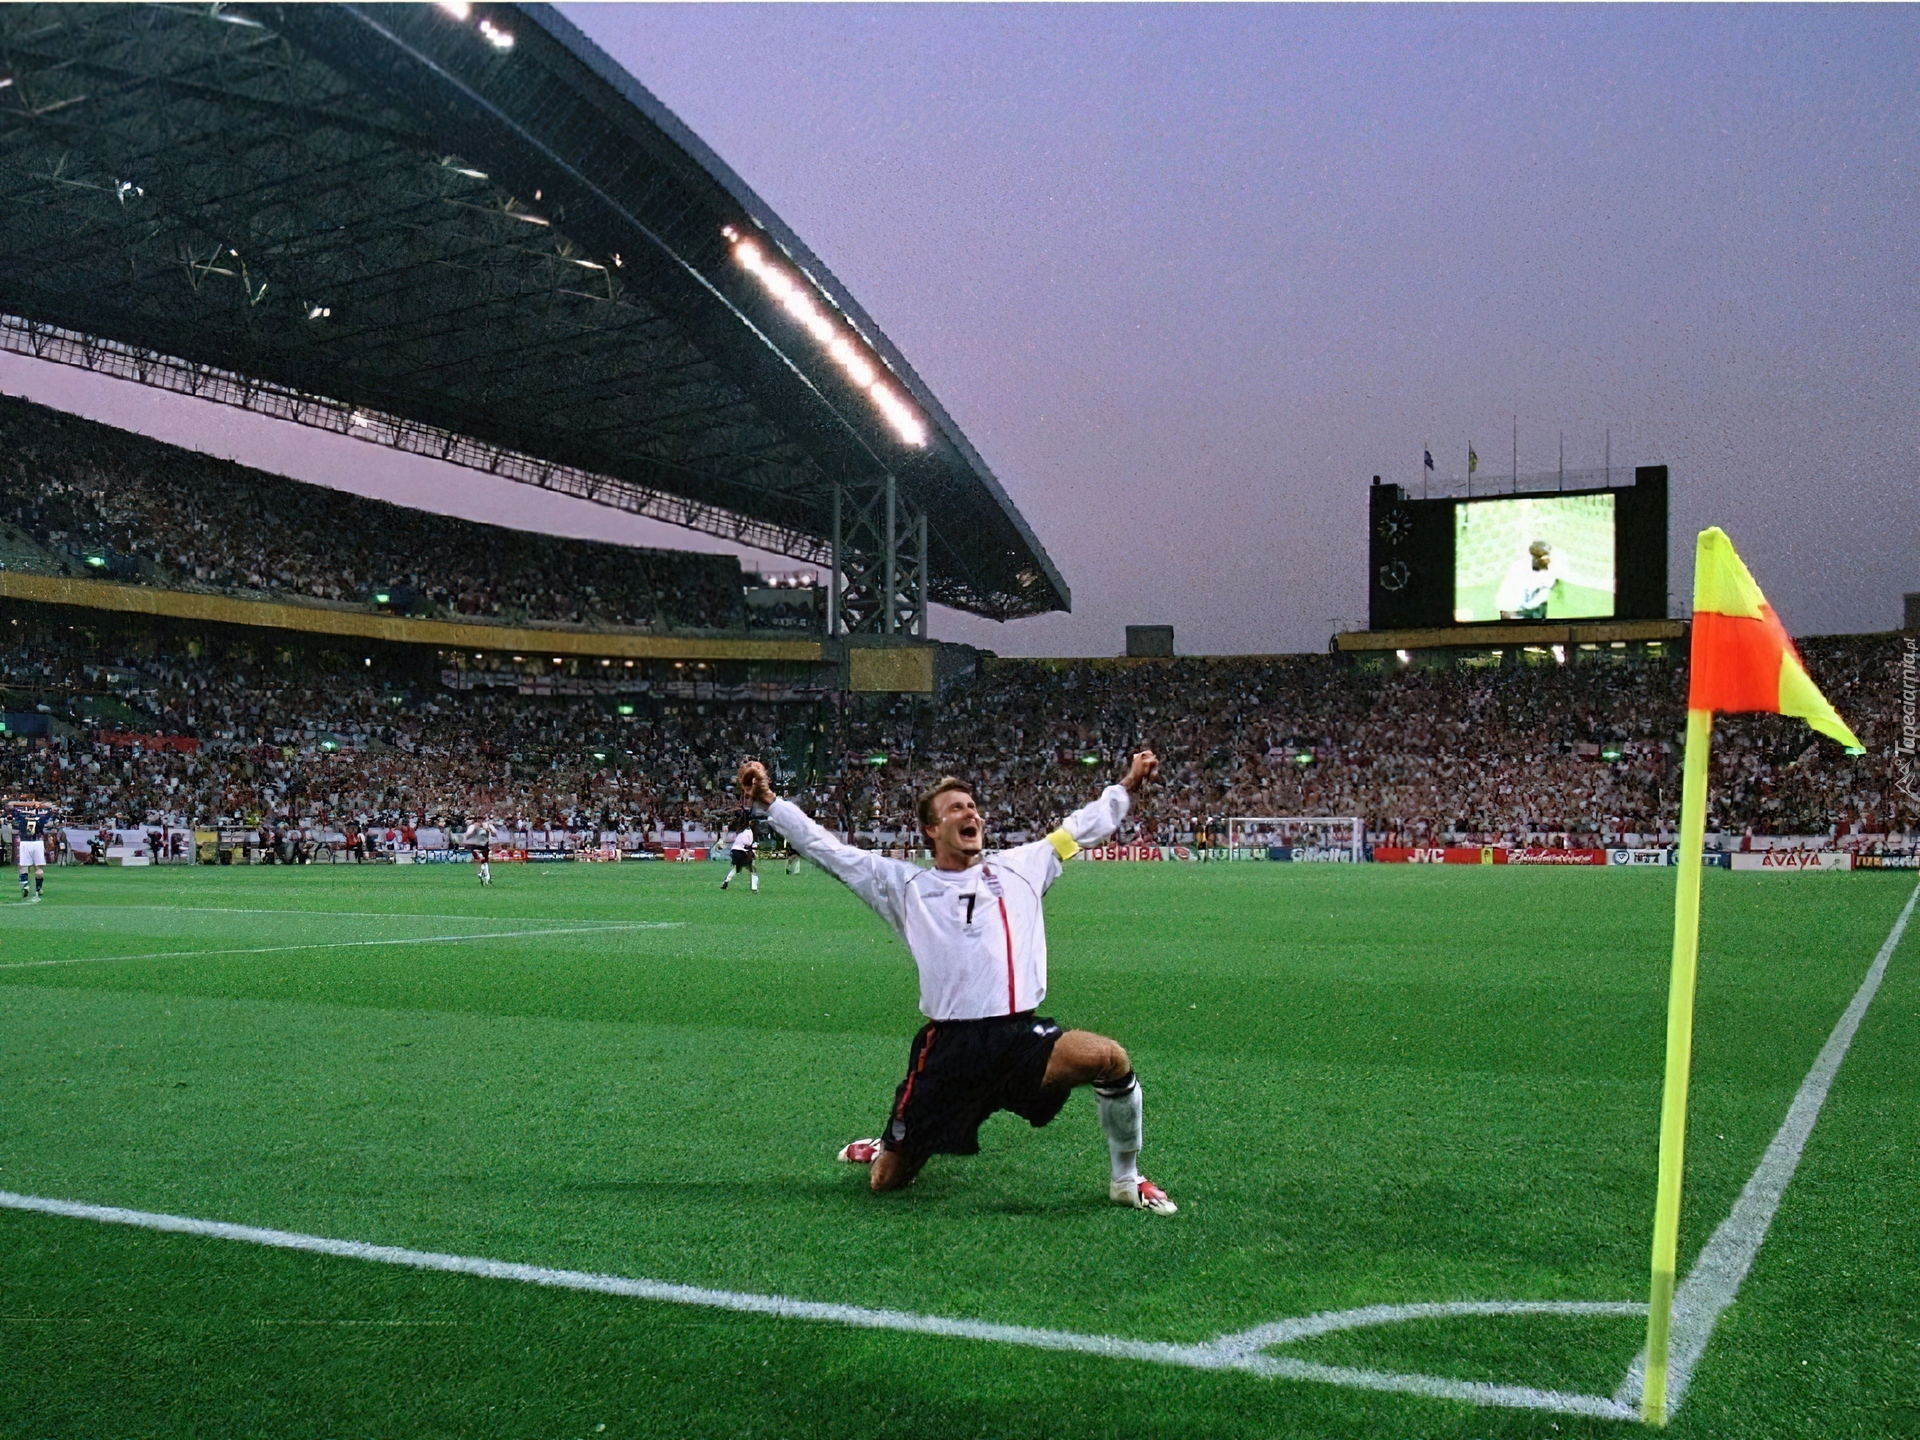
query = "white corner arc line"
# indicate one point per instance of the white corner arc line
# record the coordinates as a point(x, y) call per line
point(1233, 1352)
point(349, 944)
point(1714, 1281)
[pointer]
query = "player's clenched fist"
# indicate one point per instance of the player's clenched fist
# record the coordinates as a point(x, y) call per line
point(1145, 766)
point(754, 784)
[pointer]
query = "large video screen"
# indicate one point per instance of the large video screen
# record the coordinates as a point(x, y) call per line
point(1538, 557)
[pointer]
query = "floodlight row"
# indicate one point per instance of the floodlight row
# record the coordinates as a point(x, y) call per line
point(795, 298)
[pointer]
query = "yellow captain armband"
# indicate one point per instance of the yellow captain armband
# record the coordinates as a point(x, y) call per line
point(1064, 845)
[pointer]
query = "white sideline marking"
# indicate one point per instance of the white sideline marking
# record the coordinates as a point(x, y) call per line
point(350, 944)
point(66, 909)
point(1228, 1352)
point(1715, 1279)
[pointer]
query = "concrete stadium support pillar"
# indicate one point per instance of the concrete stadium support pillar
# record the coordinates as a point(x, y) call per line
point(879, 573)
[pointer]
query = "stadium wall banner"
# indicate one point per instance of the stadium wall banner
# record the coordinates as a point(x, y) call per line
point(1531, 855)
point(1128, 852)
point(1786, 861)
point(1642, 857)
point(1484, 855)
point(549, 857)
point(1886, 862)
point(687, 852)
point(1303, 854)
point(1434, 855)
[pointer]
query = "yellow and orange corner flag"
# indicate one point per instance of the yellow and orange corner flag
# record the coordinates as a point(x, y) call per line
point(1742, 660)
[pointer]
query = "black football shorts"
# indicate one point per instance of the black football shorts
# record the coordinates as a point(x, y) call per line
point(960, 1071)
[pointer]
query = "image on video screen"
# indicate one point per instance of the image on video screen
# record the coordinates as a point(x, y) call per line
point(1542, 557)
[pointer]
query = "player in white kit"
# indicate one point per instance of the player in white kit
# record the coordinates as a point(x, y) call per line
point(974, 927)
point(740, 853)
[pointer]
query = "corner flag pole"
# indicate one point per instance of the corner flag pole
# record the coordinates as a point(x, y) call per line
point(1742, 661)
point(1673, 1105)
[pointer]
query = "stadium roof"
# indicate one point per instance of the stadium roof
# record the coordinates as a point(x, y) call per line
point(464, 227)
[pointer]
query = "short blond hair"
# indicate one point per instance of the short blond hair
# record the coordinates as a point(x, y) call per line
point(941, 786)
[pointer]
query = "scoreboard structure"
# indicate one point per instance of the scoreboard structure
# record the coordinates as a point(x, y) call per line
point(1544, 557)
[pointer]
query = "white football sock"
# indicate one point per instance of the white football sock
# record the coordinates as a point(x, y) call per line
point(753, 880)
point(1119, 1105)
point(486, 872)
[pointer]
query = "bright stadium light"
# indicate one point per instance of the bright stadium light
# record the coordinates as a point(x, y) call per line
point(495, 36)
point(794, 297)
point(458, 9)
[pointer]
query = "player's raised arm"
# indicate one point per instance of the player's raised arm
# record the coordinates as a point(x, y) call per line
point(874, 878)
point(1094, 822)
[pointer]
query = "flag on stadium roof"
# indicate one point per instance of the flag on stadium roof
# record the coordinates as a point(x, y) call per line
point(1429, 455)
point(1743, 658)
point(1473, 460)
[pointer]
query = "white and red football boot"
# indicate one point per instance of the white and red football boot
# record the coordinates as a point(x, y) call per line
point(1141, 1194)
point(859, 1152)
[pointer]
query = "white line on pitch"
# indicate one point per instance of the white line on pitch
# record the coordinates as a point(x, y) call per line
point(351, 944)
point(1239, 1352)
point(1715, 1278)
point(68, 909)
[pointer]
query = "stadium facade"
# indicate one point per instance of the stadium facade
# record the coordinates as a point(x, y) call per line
point(463, 231)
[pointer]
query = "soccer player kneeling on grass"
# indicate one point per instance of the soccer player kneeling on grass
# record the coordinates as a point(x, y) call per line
point(974, 927)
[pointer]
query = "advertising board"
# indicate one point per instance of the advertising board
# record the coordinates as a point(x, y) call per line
point(1780, 862)
point(1542, 855)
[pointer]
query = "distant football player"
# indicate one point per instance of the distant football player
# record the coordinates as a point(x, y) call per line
point(974, 927)
point(740, 855)
point(1528, 584)
point(32, 819)
point(477, 841)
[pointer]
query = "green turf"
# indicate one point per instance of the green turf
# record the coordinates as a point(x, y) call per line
point(1364, 1085)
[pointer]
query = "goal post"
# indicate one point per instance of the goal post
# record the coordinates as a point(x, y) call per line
point(1310, 837)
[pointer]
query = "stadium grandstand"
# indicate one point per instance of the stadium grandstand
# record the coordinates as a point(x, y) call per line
point(80, 499)
point(128, 723)
point(464, 232)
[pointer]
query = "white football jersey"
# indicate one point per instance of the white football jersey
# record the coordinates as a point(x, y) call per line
point(977, 935)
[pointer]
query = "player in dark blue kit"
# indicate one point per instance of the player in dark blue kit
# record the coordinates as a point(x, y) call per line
point(32, 819)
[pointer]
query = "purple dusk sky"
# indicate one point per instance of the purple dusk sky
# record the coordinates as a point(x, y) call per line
point(1189, 276)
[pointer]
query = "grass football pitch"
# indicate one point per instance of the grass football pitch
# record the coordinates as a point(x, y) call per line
point(1368, 1086)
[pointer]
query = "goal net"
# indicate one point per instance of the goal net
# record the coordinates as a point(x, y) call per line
point(1308, 837)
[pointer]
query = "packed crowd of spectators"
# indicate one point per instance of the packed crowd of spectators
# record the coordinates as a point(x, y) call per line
point(1584, 753)
point(1581, 753)
point(101, 500)
point(281, 738)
